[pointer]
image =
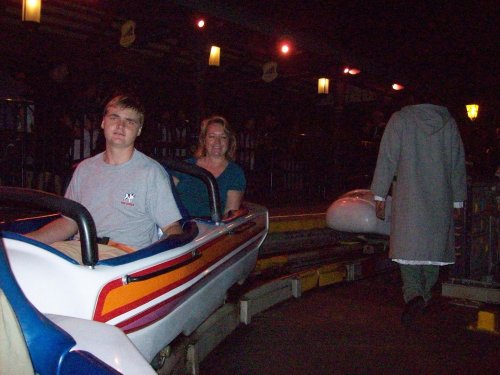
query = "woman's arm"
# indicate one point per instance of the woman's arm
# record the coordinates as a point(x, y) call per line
point(168, 230)
point(233, 201)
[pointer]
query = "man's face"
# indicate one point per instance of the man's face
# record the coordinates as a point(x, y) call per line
point(121, 127)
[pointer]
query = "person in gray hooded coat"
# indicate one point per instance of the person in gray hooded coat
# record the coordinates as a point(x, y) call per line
point(421, 154)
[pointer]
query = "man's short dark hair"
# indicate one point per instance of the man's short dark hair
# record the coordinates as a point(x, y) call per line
point(127, 101)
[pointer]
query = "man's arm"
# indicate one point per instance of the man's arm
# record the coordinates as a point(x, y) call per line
point(388, 156)
point(458, 210)
point(58, 230)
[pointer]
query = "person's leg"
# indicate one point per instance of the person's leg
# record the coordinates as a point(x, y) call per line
point(29, 179)
point(413, 285)
point(431, 275)
point(412, 281)
point(58, 185)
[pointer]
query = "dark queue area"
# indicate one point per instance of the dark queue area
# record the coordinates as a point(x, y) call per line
point(50, 120)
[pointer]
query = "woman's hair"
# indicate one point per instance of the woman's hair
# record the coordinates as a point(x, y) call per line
point(231, 137)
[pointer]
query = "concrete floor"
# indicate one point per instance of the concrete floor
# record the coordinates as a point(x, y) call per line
point(354, 328)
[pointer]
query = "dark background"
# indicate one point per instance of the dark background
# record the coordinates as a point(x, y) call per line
point(450, 46)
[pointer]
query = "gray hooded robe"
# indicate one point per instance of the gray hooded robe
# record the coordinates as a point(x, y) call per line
point(422, 148)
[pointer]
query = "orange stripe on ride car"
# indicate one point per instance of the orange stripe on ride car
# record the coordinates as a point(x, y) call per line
point(116, 298)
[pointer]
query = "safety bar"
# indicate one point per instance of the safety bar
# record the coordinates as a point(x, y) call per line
point(207, 178)
point(69, 208)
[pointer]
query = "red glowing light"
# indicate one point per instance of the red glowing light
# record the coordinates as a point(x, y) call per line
point(285, 48)
point(397, 86)
point(201, 23)
point(351, 71)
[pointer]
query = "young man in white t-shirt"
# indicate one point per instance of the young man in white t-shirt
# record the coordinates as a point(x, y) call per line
point(127, 193)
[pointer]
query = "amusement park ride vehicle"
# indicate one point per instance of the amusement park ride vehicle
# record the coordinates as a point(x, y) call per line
point(355, 212)
point(114, 315)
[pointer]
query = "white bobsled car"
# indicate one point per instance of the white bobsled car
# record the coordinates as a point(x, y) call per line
point(143, 299)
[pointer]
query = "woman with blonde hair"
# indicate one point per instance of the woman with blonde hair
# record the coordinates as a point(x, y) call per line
point(215, 153)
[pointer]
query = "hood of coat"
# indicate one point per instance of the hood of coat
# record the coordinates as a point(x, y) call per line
point(429, 118)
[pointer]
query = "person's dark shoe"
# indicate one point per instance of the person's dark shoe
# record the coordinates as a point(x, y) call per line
point(413, 308)
point(430, 306)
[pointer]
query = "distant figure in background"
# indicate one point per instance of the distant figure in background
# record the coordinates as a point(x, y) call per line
point(422, 152)
point(164, 146)
point(16, 121)
point(371, 135)
point(269, 147)
point(9, 160)
point(247, 142)
point(497, 151)
point(181, 136)
point(215, 153)
point(53, 110)
point(83, 150)
point(88, 111)
point(376, 126)
point(247, 145)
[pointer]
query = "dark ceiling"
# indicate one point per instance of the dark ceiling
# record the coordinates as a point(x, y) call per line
point(453, 44)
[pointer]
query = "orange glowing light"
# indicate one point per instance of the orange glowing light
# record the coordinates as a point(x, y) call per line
point(31, 11)
point(214, 58)
point(397, 87)
point(323, 85)
point(201, 23)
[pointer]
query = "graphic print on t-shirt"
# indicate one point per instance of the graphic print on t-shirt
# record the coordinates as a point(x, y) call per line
point(128, 199)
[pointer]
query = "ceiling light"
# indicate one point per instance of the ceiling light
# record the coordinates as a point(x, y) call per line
point(472, 111)
point(323, 85)
point(214, 58)
point(31, 11)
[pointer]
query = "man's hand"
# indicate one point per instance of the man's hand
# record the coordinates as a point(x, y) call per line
point(380, 209)
point(457, 213)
